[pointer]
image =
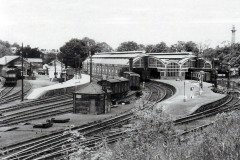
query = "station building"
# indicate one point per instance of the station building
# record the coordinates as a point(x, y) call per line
point(91, 99)
point(13, 61)
point(148, 65)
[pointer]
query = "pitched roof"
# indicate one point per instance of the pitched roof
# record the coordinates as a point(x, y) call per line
point(6, 59)
point(91, 88)
point(57, 61)
point(35, 60)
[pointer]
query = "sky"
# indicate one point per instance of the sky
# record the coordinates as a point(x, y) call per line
point(49, 24)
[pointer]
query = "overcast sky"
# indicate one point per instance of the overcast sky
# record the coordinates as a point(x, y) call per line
point(51, 23)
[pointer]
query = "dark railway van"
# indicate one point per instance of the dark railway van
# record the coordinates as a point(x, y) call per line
point(118, 86)
point(134, 80)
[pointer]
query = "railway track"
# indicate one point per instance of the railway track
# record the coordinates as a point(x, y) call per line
point(86, 130)
point(14, 96)
point(5, 91)
point(51, 146)
point(35, 110)
point(31, 103)
point(230, 104)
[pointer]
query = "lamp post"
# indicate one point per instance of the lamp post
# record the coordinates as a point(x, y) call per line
point(228, 82)
point(22, 73)
point(200, 76)
point(184, 98)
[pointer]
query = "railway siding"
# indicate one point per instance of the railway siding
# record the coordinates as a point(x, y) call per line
point(116, 120)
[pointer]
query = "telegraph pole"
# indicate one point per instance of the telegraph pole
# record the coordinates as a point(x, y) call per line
point(22, 72)
point(90, 62)
point(55, 68)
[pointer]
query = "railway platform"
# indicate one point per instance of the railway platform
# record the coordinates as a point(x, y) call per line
point(41, 86)
point(188, 97)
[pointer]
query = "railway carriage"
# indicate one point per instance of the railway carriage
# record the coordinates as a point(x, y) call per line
point(134, 80)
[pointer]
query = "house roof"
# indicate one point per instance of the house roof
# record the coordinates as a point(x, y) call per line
point(91, 88)
point(132, 73)
point(123, 52)
point(57, 61)
point(6, 59)
point(35, 60)
point(118, 79)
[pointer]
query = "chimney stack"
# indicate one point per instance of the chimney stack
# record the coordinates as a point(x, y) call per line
point(130, 64)
point(233, 34)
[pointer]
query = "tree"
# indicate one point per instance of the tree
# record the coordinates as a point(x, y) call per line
point(5, 43)
point(29, 52)
point(209, 54)
point(4, 50)
point(74, 50)
point(149, 48)
point(102, 47)
point(141, 47)
point(90, 43)
point(128, 46)
point(160, 47)
point(191, 47)
point(16, 45)
point(49, 58)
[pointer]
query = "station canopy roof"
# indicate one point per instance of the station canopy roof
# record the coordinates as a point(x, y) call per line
point(6, 59)
point(116, 58)
point(122, 58)
point(91, 88)
point(176, 55)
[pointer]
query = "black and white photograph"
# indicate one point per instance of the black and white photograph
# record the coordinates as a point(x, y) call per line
point(119, 80)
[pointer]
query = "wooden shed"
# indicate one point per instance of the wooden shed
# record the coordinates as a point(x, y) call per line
point(91, 99)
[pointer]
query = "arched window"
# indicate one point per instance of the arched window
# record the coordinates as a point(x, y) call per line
point(172, 70)
point(207, 65)
point(138, 63)
point(154, 63)
point(186, 64)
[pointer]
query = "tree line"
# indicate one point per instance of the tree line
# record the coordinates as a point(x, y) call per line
point(75, 51)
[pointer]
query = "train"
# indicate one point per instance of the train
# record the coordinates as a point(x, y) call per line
point(11, 76)
point(122, 85)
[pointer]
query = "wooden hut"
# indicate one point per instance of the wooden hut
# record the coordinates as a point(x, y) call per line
point(91, 99)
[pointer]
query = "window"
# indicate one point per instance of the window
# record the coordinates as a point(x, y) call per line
point(207, 65)
point(186, 65)
point(162, 74)
point(138, 63)
point(155, 63)
point(172, 70)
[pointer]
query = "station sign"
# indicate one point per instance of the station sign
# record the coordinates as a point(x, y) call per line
point(221, 75)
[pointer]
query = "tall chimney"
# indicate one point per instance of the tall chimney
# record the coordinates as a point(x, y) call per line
point(130, 64)
point(233, 34)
